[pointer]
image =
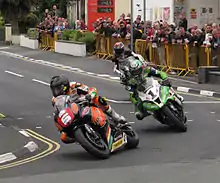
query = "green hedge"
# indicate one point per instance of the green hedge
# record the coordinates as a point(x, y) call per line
point(32, 33)
point(78, 36)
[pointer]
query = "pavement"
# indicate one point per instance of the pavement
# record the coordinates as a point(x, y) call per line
point(162, 156)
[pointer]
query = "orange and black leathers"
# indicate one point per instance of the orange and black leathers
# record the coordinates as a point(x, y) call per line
point(81, 89)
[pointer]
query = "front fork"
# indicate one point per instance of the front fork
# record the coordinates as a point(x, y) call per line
point(176, 96)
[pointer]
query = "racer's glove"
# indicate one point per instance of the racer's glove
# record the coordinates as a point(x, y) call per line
point(88, 97)
point(166, 82)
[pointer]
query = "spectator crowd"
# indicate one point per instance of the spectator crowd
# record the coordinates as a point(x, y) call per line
point(160, 31)
point(52, 23)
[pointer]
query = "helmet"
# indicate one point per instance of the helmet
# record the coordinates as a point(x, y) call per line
point(135, 67)
point(59, 85)
point(119, 48)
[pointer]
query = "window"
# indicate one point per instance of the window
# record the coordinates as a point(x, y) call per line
point(105, 10)
point(105, 3)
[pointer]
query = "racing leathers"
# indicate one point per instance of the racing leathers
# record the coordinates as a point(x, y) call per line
point(80, 90)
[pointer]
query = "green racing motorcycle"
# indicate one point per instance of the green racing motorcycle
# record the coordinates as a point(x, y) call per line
point(162, 103)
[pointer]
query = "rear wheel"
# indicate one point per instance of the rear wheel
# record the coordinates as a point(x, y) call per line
point(177, 118)
point(93, 144)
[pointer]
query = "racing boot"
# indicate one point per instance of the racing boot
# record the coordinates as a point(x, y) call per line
point(66, 139)
point(117, 118)
point(140, 112)
point(140, 115)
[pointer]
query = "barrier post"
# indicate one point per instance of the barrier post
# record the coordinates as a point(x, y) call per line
point(207, 51)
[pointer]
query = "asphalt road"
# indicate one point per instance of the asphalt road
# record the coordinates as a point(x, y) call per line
point(97, 65)
point(162, 155)
point(11, 141)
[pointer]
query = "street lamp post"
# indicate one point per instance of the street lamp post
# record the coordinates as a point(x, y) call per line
point(144, 8)
point(132, 26)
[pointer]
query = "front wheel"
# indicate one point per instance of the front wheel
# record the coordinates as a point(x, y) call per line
point(95, 146)
point(175, 121)
point(132, 137)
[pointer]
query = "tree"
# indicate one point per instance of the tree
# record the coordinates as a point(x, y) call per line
point(14, 11)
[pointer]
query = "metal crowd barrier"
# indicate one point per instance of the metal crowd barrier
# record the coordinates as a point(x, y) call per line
point(181, 58)
point(47, 41)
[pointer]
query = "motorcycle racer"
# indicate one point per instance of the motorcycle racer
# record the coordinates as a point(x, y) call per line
point(134, 75)
point(60, 85)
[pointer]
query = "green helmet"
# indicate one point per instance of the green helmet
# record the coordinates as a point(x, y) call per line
point(136, 67)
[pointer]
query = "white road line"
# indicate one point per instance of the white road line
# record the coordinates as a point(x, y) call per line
point(15, 74)
point(24, 133)
point(190, 120)
point(131, 112)
point(103, 75)
point(42, 82)
point(118, 102)
point(32, 146)
point(2, 48)
point(212, 112)
point(202, 102)
point(38, 127)
point(7, 157)
point(218, 120)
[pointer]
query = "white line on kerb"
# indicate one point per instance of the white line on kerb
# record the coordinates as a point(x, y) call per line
point(24, 133)
point(15, 74)
point(42, 82)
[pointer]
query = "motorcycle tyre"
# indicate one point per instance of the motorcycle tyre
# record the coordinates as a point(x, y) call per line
point(84, 142)
point(178, 125)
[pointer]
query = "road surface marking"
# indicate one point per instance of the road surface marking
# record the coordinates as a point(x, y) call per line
point(79, 71)
point(38, 127)
point(212, 112)
point(42, 82)
point(23, 132)
point(190, 120)
point(31, 146)
point(15, 74)
point(218, 120)
point(201, 102)
point(118, 101)
point(2, 48)
point(131, 122)
point(7, 157)
point(52, 147)
point(131, 112)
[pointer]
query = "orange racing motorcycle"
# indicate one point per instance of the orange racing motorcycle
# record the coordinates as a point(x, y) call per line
point(92, 128)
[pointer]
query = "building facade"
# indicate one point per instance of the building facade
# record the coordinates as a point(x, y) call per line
point(197, 11)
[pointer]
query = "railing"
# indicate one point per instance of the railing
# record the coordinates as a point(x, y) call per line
point(183, 59)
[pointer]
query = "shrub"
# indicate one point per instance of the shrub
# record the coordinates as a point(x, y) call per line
point(78, 36)
point(32, 33)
